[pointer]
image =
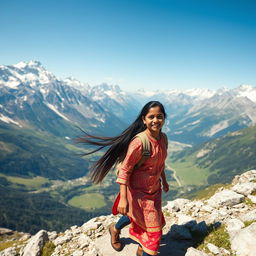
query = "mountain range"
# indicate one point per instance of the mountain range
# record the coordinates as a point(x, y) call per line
point(32, 97)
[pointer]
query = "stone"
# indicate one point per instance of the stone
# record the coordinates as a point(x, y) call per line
point(176, 205)
point(78, 253)
point(11, 251)
point(252, 198)
point(225, 198)
point(62, 239)
point(233, 226)
point(6, 231)
point(35, 244)
point(213, 249)
point(249, 176)
point(25, 237)
point(183, 219)
point(244, 243)
point(249, 216)
point(245, 188)
point(84, 240)
point(91, 225)
point(52, 235)
point(207, 208)
point(194, 252)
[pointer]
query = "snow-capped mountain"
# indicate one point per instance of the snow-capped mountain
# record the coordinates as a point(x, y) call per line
point(31, 96)
point(197, 115)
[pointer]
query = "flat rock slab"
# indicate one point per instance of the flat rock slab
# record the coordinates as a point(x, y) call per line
point(167, 247)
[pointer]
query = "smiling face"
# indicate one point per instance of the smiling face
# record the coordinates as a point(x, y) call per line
point(154, 121)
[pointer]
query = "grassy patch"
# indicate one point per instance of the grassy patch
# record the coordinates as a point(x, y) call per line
point(248, 223)
point(7, 241)
point(248, 202)
point(189, 173)
point(48, 248)
point(219, 237)
point(30, 183)
point(88, 201)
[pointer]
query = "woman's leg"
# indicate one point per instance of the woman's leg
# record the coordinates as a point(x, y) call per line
point(122, 222)
point(114, 231)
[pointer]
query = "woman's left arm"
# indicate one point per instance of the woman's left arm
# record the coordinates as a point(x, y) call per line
point(164, 182)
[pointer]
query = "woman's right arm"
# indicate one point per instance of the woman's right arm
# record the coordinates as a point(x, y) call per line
point(123, 203)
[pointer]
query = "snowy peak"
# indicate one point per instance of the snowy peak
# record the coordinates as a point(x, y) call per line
point(31, 63)
point(73, 82)
point(246, 91)
point(31, 73)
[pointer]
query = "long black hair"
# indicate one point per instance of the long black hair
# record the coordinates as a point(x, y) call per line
point(118, 144)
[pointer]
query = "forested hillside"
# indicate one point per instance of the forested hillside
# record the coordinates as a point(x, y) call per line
point(223, 158)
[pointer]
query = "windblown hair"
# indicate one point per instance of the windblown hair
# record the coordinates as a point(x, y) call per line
point(118, 144)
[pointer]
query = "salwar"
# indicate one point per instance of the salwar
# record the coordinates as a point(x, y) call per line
point(122, 222)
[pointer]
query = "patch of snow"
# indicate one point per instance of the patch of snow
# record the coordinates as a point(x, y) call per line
point(178, 132)
point(202, 153)
point(200, 92)
point(96, 98)
point(246, 91)
point(25, 98)
point(44, 91)
point(196, 122)
point(56, 111)
point(217, 128)
point(8, 120)
point(67, 138)
point(21, 64)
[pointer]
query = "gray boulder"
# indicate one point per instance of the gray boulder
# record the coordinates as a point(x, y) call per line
point(11, 251)
point(245, 188)
point(35, 244)
point(194, 252)
point(225, 198)
point(249, 216)
point(244, 243)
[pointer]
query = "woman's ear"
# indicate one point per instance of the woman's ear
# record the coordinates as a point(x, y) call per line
point(143, 119)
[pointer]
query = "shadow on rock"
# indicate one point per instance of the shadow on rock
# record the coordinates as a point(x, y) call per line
point(181, 237)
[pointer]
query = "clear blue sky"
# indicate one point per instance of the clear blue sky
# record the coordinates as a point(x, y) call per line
point(151, 44)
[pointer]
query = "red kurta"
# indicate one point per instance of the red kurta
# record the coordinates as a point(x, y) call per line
point(144, 192)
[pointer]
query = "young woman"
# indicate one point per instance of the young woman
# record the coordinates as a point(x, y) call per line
point(139, 200)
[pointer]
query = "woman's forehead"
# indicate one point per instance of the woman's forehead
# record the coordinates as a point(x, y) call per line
point(155, 110)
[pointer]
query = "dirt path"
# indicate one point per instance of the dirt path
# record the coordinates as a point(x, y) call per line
point(167, 166)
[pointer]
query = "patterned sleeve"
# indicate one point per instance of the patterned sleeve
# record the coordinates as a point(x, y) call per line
point(132, 157)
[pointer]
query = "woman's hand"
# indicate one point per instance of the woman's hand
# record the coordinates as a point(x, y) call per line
point(123, 206)
point(165, 187)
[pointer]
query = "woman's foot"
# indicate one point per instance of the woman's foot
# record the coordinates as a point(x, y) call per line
point(139, 251)
point(115, 239)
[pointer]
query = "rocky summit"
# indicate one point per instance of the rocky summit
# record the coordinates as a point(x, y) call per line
point(221, 224)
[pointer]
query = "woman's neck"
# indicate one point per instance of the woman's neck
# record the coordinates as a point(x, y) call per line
point(155, 135)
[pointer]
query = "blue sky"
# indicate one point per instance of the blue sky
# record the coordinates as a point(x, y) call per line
point(150, 44)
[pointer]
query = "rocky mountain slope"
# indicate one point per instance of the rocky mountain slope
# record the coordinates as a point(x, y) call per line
point(32, 97)
point(221, 224)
